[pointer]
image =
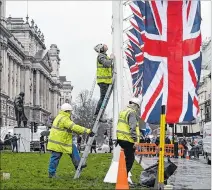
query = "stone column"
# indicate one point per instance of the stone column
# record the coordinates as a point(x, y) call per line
point(11, 78)
point(47, 93)
point(18, 79)
point(7, 75)
point(44, 92)
point(27, 86)
point(4, 64)
point(31, 85)
point(22, 78)
point(41, 90)
point(37, 87)
point(49, 100)
point(3, 69)
point(55, 103)
point(15, 78)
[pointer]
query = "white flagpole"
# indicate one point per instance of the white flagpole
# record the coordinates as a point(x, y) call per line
point(117, 9)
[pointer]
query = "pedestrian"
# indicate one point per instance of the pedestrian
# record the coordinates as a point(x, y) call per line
point(93, 146)
point(60, 138)
point(147, 140)
point(104, 74)
point(14, 142)
point(111, 144)
point(168, 142)
point(175, 146)
point(79, 140)
point(42, 146)
point(128, 132)
point(7, 141)
point(157, 142)
point(185, 147)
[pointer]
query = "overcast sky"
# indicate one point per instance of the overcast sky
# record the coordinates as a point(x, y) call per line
point(76, 27)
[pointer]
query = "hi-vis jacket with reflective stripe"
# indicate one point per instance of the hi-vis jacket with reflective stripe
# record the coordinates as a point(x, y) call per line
point(125, 131)
point(104, 71)
point(60, 138)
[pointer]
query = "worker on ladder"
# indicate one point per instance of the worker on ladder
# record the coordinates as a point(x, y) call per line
point(128, 133)
point(104, 74)
point(60, 138)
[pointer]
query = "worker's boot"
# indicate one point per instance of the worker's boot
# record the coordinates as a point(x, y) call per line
point(83, 166)
point(53, 176)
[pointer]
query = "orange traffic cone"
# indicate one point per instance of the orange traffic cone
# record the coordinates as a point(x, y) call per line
point(187, 156)
point(122, 181)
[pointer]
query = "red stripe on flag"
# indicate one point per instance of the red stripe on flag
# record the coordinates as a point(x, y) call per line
point(135, 26)
point(175, 61)
point(139, 58)
point(188, 9)
point(192, 74)
point(192, 46)
point(135, 11)
point(133, 40)
point(128, 55)
point(196, 104)
point(157, 17)
point(153, 98)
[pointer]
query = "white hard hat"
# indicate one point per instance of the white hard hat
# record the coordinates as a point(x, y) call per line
point(98, 48)
point(135, 100)
point(66, 107)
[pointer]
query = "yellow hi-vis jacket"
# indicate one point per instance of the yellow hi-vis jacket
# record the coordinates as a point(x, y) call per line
point(104, 74)
point(60, 138)
point(124, 132)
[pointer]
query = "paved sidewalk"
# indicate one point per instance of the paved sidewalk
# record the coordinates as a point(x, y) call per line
point(190, 174)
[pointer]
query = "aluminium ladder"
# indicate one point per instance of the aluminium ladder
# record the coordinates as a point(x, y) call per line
point(95, 129)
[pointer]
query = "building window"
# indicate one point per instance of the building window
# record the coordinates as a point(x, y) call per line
point(207, 111)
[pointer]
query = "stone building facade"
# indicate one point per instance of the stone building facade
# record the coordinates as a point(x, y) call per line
point(66, 90)
point(204, 91)
point(27, 66)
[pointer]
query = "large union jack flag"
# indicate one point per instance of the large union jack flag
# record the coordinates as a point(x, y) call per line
point(172, 60)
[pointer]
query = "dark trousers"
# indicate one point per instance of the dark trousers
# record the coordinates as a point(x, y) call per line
point(129, 152)
point(93, 148)
point(42, 147)
point(54, 161)
point(103, 90)
point(15, 146)
point(176, 149)
point(111, 148)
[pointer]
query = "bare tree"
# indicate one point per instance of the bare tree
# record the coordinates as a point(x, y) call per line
point(83, 110)
point(83, 113)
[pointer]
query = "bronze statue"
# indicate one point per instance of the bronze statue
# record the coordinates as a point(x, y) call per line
point(19, 109)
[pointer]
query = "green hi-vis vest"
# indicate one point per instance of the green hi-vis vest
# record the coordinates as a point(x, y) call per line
point(104, 74)
point(60, 138)
point(123, 128)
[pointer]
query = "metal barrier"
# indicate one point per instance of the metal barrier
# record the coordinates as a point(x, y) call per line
point(153, 149)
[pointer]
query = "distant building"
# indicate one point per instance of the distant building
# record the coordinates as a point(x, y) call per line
point(27, 66)
point(66, 90)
